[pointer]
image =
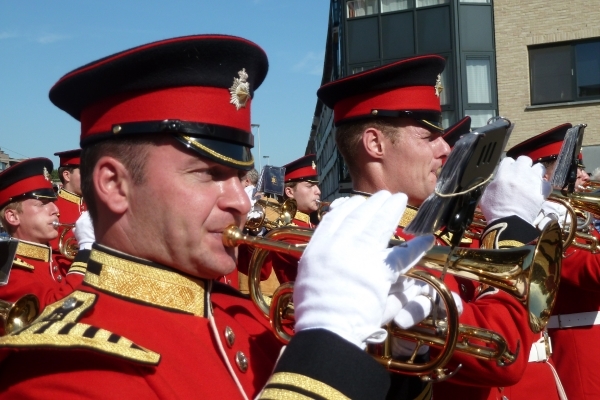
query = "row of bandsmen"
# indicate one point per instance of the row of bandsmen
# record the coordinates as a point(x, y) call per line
point(165, 133)
point(31, 214)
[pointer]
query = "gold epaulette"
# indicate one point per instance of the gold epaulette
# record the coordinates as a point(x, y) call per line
point(300, 216)
point(32, 250)
point(57, 327)
point(20, 263)
point(70, 197)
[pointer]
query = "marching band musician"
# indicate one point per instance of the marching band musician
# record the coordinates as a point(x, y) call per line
point(70, 205)
point(165, 133)
point(302, 185)
point(28, 212)
point(575, 322)
point(388, 131)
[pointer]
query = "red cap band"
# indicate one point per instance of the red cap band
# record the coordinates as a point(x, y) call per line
point(304, 172)
point(412, 98)
point(23, 186)
point(549, 150)
point(189, 103)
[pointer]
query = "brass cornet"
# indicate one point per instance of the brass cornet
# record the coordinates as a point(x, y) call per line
point(530, 274)
point(18, 315)
point(68, 247)
point(271, 214)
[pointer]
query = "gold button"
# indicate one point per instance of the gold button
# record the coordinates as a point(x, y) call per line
point(374, 112)
point(229, 336)
point(116, 129)
point(59, 278)
point(241, 361)
point(55, 268)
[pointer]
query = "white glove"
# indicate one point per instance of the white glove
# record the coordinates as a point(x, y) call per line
point(346, 272)
point(518, 189)
point(552, 211)
point(84, 231)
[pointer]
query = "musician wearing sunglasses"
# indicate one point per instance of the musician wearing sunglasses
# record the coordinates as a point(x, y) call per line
point(29, 213)
point(166, 136)
point(388, 131)
point(575, 322)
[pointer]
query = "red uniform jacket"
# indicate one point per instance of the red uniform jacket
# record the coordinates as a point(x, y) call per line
point(138, 330)
point(70, 207)
point(494, 310)
point(36, 270)
point(575, 350)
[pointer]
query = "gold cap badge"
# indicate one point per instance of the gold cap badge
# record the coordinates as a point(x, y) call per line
point(438, 86)
point(314, 166)
point(46, 174)
point(240, 90)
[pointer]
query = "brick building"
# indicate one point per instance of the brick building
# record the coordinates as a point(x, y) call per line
point(548, 67)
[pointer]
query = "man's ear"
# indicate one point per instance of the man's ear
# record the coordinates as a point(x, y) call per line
point(373, 142)
point(289, 192)
point(12, 217)
point(66, 175)
point(112, 184)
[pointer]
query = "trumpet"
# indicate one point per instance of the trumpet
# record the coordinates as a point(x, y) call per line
point(323, 208)
point(578, 203)
point(529, 273)
point(68, 247)
point(269, 213)
point(18, 315)
point(590, 186)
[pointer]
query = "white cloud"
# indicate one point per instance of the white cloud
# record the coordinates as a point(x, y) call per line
point(50, 38)
point(311, 64)
point(7, 35)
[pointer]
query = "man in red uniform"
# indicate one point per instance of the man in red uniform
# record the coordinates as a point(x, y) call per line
point(166, 136)
point(388, 130)
point(575, 322)
point(28, 211)
point(70, 204)
point(302, 185)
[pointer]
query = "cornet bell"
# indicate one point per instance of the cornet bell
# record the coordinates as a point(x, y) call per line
point(18, 315)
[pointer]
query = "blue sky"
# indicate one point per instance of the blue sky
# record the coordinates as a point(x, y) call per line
point(42, 40)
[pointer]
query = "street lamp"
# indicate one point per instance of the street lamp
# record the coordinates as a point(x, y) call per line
point(267, 157)
point(257, 126)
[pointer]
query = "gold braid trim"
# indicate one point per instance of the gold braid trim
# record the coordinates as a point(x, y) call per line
point(147, 284)
point(303, 383)
point(33, 250)
point(409, 214)
point(282, 394)
point(57, 327)
point(78, 267)
point(70, 197)
point(300, 216)
point(17, 262)
point(509, 244)
point(194, 143)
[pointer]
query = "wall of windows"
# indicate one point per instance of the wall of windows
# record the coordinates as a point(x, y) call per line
point(565, 72)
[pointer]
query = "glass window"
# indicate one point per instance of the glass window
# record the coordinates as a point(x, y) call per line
point(475, 1)
point(587, 60)
point(479, 85)
point(551, 74)
point(425, 3)
point(360, 8)
point(479, 118)
point(395, 5)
